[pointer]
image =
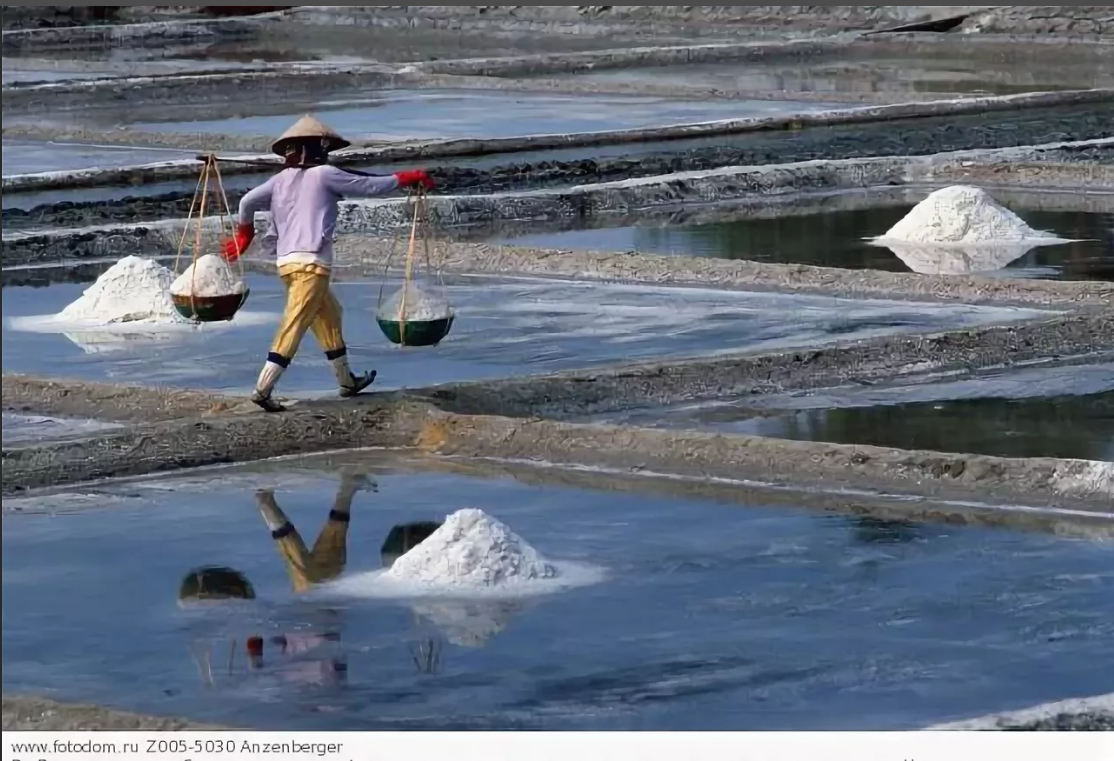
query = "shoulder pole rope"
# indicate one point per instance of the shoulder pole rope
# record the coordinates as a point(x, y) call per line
point(417, 199)
point(199, 195)
point(226, 223)
point(209, 171)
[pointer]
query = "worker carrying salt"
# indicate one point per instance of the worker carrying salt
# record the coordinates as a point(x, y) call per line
point(303, 199)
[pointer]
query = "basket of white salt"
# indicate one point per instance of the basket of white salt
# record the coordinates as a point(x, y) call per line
point(418, 313)
point(414, 317)
point(209, 289)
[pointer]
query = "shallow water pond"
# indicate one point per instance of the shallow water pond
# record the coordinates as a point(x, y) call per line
point(710, 616)
point(504, 328)
point(415, 114)
point(33, 156)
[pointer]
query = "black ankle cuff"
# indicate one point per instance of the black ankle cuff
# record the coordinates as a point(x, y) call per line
point(283, 531)
point(278, 359)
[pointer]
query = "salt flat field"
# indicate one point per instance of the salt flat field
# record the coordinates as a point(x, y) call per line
point(779, 392)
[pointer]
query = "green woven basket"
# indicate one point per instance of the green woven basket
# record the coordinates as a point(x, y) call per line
point(210, 308)
point(416, 332)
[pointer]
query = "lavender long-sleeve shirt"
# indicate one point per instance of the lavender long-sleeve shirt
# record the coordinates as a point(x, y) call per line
point(303, 206)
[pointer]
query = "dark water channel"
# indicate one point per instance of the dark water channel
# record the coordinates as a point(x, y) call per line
point(835, 238)
point(1075, 427)
point(1058, 411)
point(710, 616)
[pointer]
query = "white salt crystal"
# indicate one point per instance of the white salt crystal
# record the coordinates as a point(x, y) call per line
point(472, 549)
point(1083, 477)
point(132, 290)
point(209, 276)
point(420, 306)
point(961, 214)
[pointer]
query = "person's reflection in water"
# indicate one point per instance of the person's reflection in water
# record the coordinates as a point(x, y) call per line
point(316, 657)
point(330, 552)
point(311, 656)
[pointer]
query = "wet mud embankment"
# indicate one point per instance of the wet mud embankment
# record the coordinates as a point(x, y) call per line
point(28, 41)
point(902, 129)
point(1080, 487)
point(31, 714)
point(499, 419)
point(586, 393)
point(118, 99)
point(1090, 164)
point(712, 19)
point(23, 246)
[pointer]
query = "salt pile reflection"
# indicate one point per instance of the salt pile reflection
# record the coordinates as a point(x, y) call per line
point(951, 259)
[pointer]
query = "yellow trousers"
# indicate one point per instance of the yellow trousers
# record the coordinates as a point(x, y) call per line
point(310, 305)
point(329, 554)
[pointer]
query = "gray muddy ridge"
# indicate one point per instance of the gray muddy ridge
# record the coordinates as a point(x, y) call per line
point(32, 714)
point(579, 394)
point(442, 212)
point(450, 211)
point(900, 138)
point(694, 134)
point(1095, 714)
point(382, 422)
point(120, 100)
point(715, 19)
point(149, 34)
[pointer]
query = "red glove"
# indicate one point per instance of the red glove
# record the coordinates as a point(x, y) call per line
point(414, 177)
point(234, 247)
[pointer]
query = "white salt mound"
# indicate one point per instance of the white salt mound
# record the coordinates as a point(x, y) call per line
point(961, 214)
point(132, 290)
point(472, 549)
point(209, 276)
point(421, 306)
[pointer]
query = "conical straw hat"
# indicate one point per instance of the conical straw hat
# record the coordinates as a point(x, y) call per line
point(308, 127)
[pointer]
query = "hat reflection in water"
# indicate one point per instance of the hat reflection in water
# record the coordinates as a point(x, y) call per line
point(425, 653)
